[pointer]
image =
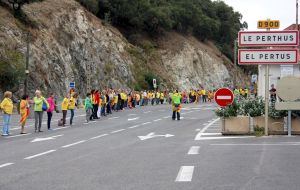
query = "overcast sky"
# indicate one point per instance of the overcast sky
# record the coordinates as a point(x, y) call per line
point(254, 10)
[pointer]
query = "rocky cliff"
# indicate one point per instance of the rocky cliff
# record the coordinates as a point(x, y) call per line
point(67, 39)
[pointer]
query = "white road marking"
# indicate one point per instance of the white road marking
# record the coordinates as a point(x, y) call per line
point(146, 123)
point(211, 134)
point(132, 114)
point(113, 118)
point(194, 150)
point(185, 174)
point(69, 145)
point(205, 128)
point(60, 128)
point(167, 117)
point(117, 131)
point(147, 112)
point(46, 138)
point(97, 137)
point(7, 164)
point(224, 98)
point(40, 154)
point(135, 126)
point(132, 119)
point(18, 135)
point(157, 120)
point(277, 144)
point(219, 138)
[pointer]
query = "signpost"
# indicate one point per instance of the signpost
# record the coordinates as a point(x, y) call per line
point(268, 56)
point(154, 83)
point(224, 97)
point(268, 24)
point(268, 38)
point(72, 85)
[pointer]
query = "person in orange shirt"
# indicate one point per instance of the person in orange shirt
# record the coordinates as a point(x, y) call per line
point(24, 111)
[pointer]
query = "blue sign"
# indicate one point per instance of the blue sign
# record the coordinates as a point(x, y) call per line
point(72, 85)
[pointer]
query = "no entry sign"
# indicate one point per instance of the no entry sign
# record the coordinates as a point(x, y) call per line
point(224, 97)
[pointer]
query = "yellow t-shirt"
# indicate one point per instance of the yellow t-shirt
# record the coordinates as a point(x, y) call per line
point(72, 103)
point(65, 104)
point(23, 106)
point(7, 106)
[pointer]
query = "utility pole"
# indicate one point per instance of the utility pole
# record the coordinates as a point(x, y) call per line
point(27, 64)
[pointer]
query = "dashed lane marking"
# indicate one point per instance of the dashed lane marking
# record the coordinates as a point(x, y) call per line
point(185, 174)
point(73, 144)
point(6, 164)
point(157, 120)
point(99, 136)
point(18, 135)
point(194, 150)
point(38, 155)
point(113, 118)
point(133, 119)
point(147, 112)
point(117, 131)
point(135, 126)
point(146, 123)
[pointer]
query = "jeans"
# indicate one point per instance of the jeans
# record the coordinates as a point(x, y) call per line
point(6, 124)
point(103, 110)
point(38, 116)
point(72, 116)
point(49, 119)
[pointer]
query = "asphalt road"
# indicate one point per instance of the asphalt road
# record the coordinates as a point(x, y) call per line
point(143, 149)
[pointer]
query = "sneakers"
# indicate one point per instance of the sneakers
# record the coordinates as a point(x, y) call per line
point(4, 134)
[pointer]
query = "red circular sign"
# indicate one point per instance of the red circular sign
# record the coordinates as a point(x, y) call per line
point(224, 97)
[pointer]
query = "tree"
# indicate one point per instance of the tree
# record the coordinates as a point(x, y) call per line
point(17, 4)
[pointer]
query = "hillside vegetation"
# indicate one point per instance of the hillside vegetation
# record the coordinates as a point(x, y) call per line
point(205, 19)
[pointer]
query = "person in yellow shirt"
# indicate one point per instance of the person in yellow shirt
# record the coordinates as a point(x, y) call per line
point(7, 108)
point(72, 105)
point(162, 98)
point(64, 108)
point(24, 111)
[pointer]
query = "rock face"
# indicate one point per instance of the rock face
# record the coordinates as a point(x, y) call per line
point(71, 44)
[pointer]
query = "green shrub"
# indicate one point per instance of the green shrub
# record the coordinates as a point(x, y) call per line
point(228, 111)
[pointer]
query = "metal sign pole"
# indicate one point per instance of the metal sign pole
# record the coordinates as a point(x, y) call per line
point(267, 97)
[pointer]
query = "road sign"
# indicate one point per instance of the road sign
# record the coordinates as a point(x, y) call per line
point(154, 83)
point(224, 97)
point(288, 89)
point(269, 38)
point(72, 85)
point(268, 24)
point(254, 78)
point(268, 56)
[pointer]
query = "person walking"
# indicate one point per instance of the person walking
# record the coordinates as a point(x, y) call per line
point(7, 108)
point(72, 105)
point(24, 111)
point(64, 108)
point(176, 100)
point(40, 105)
point(51, 103)
point(88, 107)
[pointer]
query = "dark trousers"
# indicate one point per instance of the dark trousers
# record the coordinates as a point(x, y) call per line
point(175, 113)
point(49, 119)
point(72, 116)
point(95, 110)
point(108, 108)
point(64, 116)
point(122, 105)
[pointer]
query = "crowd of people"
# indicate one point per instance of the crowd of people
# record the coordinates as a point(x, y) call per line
point(97, 104)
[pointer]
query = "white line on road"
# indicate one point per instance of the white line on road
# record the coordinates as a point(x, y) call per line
point(146, 123)
point(219, 138)
point(194, 150)
point(117, 131)
point(167, 117)
point(278, 144)
point(135, 126)
point(113, 118)
point(97, 137)
point(157, 120)
point(147, 111)
point(18, 135)
point(185, 174)
point(40, 154)
point(60, 128)
point(211, 134)
point(7, 164)
point(69, 145)
point(198, 137)
point(133, 114)
point(132, 119)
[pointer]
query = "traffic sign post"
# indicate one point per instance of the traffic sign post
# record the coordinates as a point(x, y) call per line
point(72, 85)
point(224, 97)
point(154, 83)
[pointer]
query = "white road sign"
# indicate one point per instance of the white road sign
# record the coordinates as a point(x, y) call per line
point(269, 56)
point(269, 38)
